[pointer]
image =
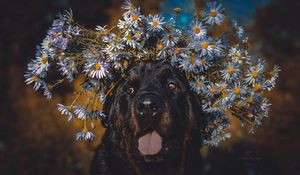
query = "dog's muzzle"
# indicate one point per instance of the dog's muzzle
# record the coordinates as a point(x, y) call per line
point(148, 105)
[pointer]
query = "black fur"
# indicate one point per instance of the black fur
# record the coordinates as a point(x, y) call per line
point(180, 123)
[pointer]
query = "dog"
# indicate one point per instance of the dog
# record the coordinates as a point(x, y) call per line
point(155, 125)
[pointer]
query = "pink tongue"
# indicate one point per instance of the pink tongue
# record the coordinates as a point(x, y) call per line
point(150, 144)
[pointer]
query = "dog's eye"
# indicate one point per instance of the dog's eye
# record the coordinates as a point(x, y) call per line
point(172, 87)
point(130, 90)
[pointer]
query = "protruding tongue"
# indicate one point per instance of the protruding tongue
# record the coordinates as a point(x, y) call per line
point(150, 144)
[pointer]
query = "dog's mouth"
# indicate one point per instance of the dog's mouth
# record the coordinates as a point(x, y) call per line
point(150, 144)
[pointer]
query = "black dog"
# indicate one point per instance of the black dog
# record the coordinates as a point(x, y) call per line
point(155, 125)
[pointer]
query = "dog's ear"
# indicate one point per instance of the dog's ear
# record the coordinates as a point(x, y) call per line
point(197, 117)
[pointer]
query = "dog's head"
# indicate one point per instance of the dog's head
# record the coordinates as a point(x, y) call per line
point(153, 115)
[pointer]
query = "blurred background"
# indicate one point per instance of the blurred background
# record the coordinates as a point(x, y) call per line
point(35, 140)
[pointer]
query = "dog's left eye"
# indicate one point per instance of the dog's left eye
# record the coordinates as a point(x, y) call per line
point(172, 86)
point(130, 90)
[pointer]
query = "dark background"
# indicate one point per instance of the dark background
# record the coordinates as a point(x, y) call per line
point(35, 140)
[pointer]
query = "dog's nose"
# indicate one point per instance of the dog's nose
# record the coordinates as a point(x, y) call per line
point(148, 105)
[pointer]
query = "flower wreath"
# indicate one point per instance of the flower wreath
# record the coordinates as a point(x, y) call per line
point(215, 61)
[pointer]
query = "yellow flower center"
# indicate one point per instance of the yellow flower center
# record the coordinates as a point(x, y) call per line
point(170, 38)
point(229, 59)
point(177, 10)
point(212, 90)
point(137, 34)
point(230, 70)
point(44, 60)
point(98, 66)
point(255, 74)
point(61, 57)
point(129, 37)
point(257, 87)
point(160, 46)
point(94, 52)
point(35, 78)
point(213, 13)
point(197, 30)
point(135, 17)
point(193, 61)
point(131, 8)
point(125, 63)
point(250, 100)
point(224, 94)
point(204, 45)
point(176, 49)
point(56, 36)
point(202, 61)
point(155, 23)
point(237, 91)
point(223, 88)
point(198, 84)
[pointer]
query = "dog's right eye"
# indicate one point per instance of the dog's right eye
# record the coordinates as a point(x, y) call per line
point(130, 90)
point(172, 86)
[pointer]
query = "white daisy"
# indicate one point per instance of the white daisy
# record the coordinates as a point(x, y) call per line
point(43, 62)
point(33, 78)
point(85, 135)
point(155, 23)
point(213, 14)
point(198, 85)
point(65, 110)
point(236, 55)
point(230, 72)
point(170, 39)
point(204, 46)
point(254, 74)
point(198, 30)
point(96, 69)
point(80, 112)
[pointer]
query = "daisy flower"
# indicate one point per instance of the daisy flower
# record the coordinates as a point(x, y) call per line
point(237, 91)
point(47, 92)
point(230, 71)
point(270, 84)
point(217, 47)
point(155, 23)
point(33, 78)
point(91, 52)
point(204, 47)
point(203, 64)
point(265, 105)
point(164, 53)
point(67, 68)
point(251, 99)
point(170, 39)
point(65, 110)
point(198, 85)
point(128, 5)
point(80, 112)
point(135, 17)
point(43, 62)
point(198, 30)
point(213, 14)
point(96, 69)
point(236, 55)
point(188, 63)
point(130, 41)
point(212, 89)
point(254, 74)
point(85, 135)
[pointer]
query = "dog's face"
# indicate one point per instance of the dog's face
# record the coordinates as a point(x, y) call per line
point(153, 115)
